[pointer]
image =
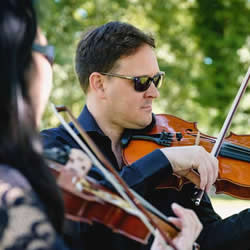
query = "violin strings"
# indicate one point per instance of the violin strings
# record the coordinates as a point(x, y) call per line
point(228, 149)
point(235, 151)
point(235, 147)
point(203, 137)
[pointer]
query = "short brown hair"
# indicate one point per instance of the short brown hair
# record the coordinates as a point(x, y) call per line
point(100, 48)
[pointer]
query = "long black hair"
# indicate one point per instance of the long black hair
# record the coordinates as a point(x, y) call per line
point(19, 140)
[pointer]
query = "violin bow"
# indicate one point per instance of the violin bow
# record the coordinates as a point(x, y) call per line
point(113, 177)
point(217, 146)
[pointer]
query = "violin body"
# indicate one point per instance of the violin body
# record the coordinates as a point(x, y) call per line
point(234, 157)
point(86, 206)
point(95, 203)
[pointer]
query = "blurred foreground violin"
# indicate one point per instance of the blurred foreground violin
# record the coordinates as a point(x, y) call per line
point(87, 201)
point(233, 152)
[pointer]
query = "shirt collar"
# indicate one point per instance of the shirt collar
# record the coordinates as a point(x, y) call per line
point(89, 124)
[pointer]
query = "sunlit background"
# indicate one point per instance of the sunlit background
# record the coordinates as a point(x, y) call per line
point(202, 45)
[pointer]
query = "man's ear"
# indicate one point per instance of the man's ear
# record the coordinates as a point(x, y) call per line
point(96, 83)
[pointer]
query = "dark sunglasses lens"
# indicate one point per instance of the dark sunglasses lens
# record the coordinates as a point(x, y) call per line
point(50, 59)
point(47, 51)
point(141, 83)
point(158, 81)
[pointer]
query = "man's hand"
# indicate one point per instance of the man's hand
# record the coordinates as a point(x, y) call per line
point(189, 224)
point(183, 159)
point(190, 227)
point(159, 243)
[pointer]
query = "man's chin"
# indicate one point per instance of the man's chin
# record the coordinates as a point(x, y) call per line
point(145, 122)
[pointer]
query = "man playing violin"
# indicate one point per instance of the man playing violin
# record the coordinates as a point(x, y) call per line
point(118, 71)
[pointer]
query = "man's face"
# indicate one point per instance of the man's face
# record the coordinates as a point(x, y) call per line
point(125, 107)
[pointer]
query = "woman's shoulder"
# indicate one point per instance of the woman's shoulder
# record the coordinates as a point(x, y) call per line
point(24, 223)
point(13, 177)
point(13, 186)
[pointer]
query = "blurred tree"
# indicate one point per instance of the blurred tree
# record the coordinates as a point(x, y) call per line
point(203, 45)
point(220, 29)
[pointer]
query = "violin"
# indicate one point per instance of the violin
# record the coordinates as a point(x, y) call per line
point(87, 201)
point(171, 131)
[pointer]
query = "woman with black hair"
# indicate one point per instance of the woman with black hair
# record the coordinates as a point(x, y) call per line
point(31, 207)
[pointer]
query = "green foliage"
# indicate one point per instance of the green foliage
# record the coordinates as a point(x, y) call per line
point(220, 30)
point(203, 46)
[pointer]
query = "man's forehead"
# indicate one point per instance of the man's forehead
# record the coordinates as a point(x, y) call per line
point(142, 62)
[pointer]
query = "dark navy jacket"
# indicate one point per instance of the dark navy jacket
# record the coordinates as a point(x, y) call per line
point(143, 176)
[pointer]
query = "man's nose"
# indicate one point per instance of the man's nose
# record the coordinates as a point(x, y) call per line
point(152, 91)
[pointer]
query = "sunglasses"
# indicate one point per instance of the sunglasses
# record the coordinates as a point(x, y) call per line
point(141, 83)
point(46, 50)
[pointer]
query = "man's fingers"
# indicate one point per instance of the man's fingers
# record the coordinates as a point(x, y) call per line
point(189, 225)
point(203, 176)
point(186, 217)
point(208, 169)
point(216, 168)
point(178, 210)
point(175, 221)
point(212, 163)
point(185, 158)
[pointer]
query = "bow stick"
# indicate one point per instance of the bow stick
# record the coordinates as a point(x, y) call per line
point(217, 146)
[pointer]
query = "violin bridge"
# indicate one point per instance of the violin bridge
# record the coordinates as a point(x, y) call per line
point(197, 140)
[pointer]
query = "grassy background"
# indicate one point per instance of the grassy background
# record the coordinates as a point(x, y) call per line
point(225, 205)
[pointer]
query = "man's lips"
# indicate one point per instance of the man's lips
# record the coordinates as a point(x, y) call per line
point(147, 107)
